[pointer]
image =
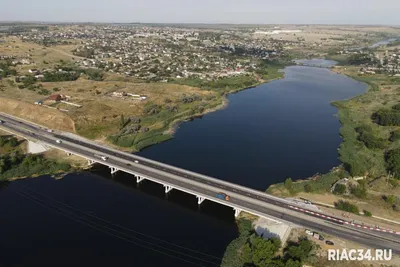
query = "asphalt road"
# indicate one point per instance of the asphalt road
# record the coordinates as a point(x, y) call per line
point(241, 197)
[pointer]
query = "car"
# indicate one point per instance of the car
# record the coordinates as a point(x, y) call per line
point(321, 238)
point(308, 232)
point(58, 141)
point(128, 164)
point(104, 158)
point(1, 121)
point(136, 161)
point(50, 130)
point(329, 243)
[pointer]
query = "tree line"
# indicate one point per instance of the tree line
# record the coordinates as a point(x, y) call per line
point(251, 250)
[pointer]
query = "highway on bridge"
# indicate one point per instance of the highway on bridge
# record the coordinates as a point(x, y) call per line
point(243, 198)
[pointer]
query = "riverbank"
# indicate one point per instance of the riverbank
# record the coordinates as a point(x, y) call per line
point(16, 163)
point(166, 123)
point(363, 152)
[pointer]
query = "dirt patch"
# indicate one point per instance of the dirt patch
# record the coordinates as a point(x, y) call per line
point(48, 117)
point(73, 160)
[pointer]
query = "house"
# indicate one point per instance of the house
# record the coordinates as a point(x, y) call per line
point(55, 98)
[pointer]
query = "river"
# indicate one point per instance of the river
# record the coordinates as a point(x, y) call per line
point(283, 128)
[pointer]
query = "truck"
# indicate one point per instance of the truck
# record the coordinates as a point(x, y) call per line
point(222, 196)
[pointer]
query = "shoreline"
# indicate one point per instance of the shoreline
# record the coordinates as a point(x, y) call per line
point(339, 107)
point(174, 125)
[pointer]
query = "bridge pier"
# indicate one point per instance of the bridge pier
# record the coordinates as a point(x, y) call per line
point(200, 199)
point(168, 188)
point(90, 162)
point(139, 179)
point(237, 212)
point(113, 170)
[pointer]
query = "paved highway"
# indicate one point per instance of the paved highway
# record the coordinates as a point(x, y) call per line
point(241, 197)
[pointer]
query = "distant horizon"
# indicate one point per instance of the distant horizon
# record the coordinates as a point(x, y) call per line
point(192, 23)
point(253, 12)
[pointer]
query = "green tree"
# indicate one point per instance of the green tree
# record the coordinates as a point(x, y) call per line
point(299, 251)
point(393, 162)
point(263, 250)
point(245, 227)
point(3, 140)
point(247, 254)
point(293, 263)
point(308, 188)
point(13, 141)
point(288, 183)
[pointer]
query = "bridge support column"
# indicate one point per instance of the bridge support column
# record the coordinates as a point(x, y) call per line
point(167, 188)
point(139, 179)
point(237, 212)
point(90, 162)
point(200, 199)
point(113, 170)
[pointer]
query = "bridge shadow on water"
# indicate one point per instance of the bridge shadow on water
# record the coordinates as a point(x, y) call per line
point(174, 197)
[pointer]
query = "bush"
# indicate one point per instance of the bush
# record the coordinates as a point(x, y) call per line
point(339, 189)
point(369, 139)
point(346, 206)
point(152, 109)
point(391, 199)
point(359, 191)
point(11, 141)
point(60, 76)
point(94, 74)
point(19, 165)
point(367, 213)
point(308, 188)
point(387, 117)
point(396, 107)
point(393, 162)
point(44, 92)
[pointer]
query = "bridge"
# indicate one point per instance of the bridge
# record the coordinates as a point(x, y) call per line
point(203, 187)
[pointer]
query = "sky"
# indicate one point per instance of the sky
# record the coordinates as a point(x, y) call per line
point(382, 12)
